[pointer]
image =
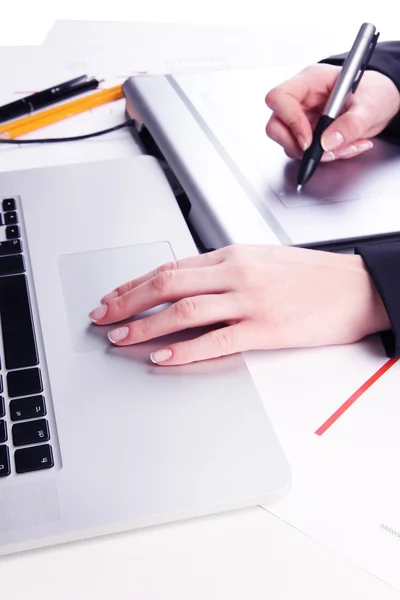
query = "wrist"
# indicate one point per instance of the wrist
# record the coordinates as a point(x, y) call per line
point(391, 89)
point(372, 315)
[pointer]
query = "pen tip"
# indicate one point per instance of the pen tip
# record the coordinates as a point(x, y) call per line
point(299, 188)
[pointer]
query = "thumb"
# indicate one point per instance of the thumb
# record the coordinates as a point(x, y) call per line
point(346, 129)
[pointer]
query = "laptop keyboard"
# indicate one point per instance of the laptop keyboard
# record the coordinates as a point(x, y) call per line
point(24, 429)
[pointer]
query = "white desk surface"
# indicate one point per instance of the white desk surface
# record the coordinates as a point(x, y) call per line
point(244, 554)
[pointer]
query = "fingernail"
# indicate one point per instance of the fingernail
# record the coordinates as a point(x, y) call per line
point(329, 156)
point(109, 296)
point(332, 140)
point(365, 146)
point(302, 143)
point(161, 355)
point(355, 149)
point(346, 152)
point(116, 335)
point(98, 313)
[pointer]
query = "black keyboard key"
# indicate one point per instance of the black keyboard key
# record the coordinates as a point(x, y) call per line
point(10, 247)
point(2, 407)
point(8, 204)
point(3, 432)
point(11, 265)
point(34, 459)
point(16, 322)
point(1, 383)
point(5, 466)
point(12, 232)
point(27, 408)
point(24, 382)
point(31, 432)
point(10, 218)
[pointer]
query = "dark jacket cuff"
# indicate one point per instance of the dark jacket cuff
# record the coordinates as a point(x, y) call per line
point(386, 60)
point(383, 263)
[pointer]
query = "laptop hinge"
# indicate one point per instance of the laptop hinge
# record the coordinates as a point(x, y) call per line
point(150, 147)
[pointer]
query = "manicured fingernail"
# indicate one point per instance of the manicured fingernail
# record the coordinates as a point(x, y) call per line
point(329, 156)
point(116, 335)
point(109, 296)
point(367, 145)
point(98, 313)
point(354, 149)
point(160, 356)
point(302, 143)
point(346, 152)
point(331, 140)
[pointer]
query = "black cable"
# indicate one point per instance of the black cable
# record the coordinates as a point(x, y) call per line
point(129, 123)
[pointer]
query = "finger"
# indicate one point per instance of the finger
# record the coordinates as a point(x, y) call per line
point(166, 286)
point(348, 151)
point(345, 130)
point(280, 133)
point(220, 342)
point(311, 86)
point(187, 313)
point(285, 102)
point(355, 149)
point(201, 260)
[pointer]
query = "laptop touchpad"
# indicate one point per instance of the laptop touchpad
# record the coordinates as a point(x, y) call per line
point(86, 277)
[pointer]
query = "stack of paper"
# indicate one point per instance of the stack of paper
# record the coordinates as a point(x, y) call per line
point(116, 51)
point(38, 69)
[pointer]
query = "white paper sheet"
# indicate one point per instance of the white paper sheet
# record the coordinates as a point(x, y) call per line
point(188, 47)
point(346, 490)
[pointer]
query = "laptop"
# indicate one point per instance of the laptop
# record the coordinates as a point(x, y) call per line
point(210, 128)
point(96, 439)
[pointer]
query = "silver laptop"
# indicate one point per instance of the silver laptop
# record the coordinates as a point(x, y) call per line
point(210, 127)
point(96, 439)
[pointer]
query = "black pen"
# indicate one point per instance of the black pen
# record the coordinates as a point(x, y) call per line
point(57, 93)
point(350, 75)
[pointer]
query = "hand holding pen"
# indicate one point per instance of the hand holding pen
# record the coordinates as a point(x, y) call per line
point(298, 103)
point(47, 97)
point(347, 81)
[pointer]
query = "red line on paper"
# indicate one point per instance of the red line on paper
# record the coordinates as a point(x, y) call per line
point(350, 401)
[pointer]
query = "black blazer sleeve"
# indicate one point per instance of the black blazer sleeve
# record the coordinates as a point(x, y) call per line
point(383, 263)
point(386, 60)
point(383, 259)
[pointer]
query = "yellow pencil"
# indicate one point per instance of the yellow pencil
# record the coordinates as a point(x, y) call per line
point(30, 123)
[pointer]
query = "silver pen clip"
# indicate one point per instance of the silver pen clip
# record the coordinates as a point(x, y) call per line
point(366, 61)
